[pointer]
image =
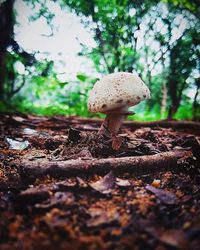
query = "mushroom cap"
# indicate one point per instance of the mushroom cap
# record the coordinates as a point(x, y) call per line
point(117, 90)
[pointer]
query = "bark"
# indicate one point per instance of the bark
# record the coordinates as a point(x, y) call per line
point(137, 164)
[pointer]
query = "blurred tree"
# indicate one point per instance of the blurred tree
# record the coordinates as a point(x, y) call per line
point(176, 32)
point(10, 53)
point(192, 6)
point(6, 27)
point(115, 25)
point(196, 102)
point(183, 60)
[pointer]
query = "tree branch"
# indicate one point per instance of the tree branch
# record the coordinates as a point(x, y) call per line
point(18, 89)
point(136, 164)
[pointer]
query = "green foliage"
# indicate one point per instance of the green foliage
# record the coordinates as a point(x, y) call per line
point(193, 6)
point(45, 95)
point(113, 24)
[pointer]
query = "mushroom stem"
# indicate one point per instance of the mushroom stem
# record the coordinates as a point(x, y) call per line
point(113, 121)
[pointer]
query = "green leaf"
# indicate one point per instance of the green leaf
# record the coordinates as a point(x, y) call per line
point(82, 77)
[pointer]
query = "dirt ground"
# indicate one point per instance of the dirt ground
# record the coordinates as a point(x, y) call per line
point(63, 187)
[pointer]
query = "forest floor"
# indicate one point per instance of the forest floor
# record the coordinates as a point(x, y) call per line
point(64, 187)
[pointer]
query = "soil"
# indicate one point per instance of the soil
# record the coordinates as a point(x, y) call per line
point(43, 205)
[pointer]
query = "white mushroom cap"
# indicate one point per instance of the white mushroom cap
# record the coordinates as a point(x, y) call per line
point(117, 90)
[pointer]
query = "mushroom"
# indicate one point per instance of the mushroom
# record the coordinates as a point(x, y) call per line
point(113, 95)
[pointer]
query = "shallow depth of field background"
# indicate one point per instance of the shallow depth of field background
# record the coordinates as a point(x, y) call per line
point(59, 49)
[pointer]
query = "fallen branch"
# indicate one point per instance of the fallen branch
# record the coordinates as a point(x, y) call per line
point(136, 164)
point(163, 123)
point(92, 124)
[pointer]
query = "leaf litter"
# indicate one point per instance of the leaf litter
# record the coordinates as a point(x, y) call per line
point(113, 210)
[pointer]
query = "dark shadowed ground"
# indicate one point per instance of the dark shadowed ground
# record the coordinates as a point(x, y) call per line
point(63, 187)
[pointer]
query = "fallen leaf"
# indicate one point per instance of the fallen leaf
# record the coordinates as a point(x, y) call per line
point(81, 183)
point(106, 184)
point(56, 200)
point(122, 183)
point(166, 197)
point(33, 195)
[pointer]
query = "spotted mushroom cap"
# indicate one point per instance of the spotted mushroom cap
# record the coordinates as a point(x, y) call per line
point(117, 90)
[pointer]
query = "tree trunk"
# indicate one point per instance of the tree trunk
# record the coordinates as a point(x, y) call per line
point(175, 102)
point(172, 111)
point(172, 85)
point(6, 28)
point(2, 76)
point(196, 105)
point(164, 101)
